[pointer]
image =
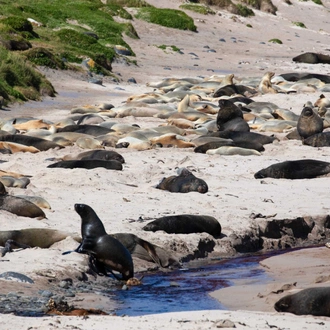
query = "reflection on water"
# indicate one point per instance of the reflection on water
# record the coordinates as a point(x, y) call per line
point(186, 289)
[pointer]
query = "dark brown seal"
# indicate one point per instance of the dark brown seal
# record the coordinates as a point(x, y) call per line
point(309, 123)
point(232, 89)
point(106, 254)
point(318, 140)
point(312, 58)
point(295, 169)
point(97, 154)
point(184, 182)
point(230, 117)
point(88, 164)
point(312, 301)
point(185, 224)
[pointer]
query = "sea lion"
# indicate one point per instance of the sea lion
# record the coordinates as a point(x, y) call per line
point(244, 136)
point(35, 237)
point(172, 140)
point(185, 182)
point(230, 117)
point(36, 142)
point(19, 206)
point(96, 154)
point(311, 301)
point(145, 250)
point(265, 85)
point(10, 181)
point(17, 147)
point(89, 143)
point(88, 164)
point(185, 224)
point(240, 144)
point(106, 254)
point(312, 58)
point(295, 169)
point(318, 140)
point(229, 151)
point(309, 123)
point(232, 89)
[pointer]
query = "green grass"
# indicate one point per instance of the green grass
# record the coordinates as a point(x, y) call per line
point(275, 41)
point(205, 10)
point(172, 47)
point(172, 18)
point(19, 79)
point(300, 24)
point(244, 11)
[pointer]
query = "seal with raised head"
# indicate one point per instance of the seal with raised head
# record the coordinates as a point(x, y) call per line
point(184, 182)
point(309, 123)
point(230, 117)
point(295, 169)
point(106, 254)
point(311, 301)
point(185, 224)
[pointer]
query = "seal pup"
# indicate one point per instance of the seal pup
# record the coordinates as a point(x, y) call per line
point(106, 254)
point(185, 224)
point(322, 103)
point(295, 169)
point(88, 164)
point(184, 182)
point(309, 123)
point(265, 85)
point(311, 301)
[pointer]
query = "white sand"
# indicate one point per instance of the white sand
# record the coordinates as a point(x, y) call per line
point(233, 192)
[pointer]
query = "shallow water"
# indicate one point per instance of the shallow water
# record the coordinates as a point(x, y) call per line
point(187, 289)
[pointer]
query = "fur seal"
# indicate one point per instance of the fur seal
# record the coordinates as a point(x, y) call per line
point(88, 164)
point(38, 143)
point(295, 169)
point(312, 58)
point(145, 250)
point(309, 123)
point(106, 254)
point(237, 137)
point(34, 237)
point(184, 182)
point(185, 224)
point(318, 140)
point(230, 117)
point(311, 301)
point(97, 154)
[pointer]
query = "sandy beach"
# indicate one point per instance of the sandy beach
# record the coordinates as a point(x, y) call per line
point(126, 200)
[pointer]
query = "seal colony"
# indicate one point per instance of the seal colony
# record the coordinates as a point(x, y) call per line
point(181, 125)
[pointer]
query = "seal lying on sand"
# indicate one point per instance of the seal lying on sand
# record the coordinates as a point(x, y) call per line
point(312, 301)
point(295, 169)
point(106, 254)
point(183, 183)
point(19, 206)
point(96, 154)
point(185, 224)
point(318, 140)
point(312, 58)
point(32, 237)
point(88, 164)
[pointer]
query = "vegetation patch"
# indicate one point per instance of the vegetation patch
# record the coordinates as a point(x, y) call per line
point(20, 80)
point(205, 10)
point(300, 24)
point(172, 18)
point(172, 47)
point(275, 41)
point(244, 11)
